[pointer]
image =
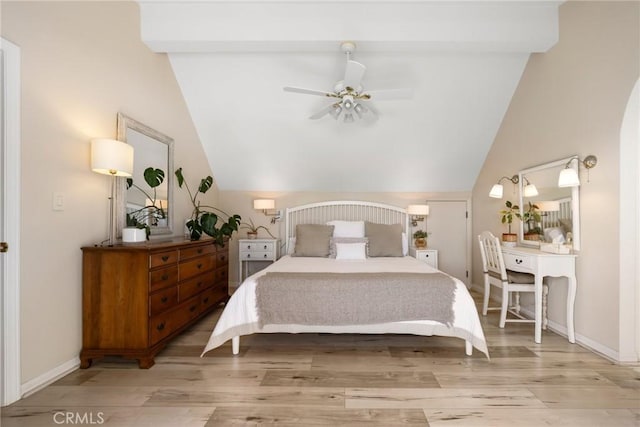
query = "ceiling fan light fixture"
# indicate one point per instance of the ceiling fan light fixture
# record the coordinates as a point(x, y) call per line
point(348, 118)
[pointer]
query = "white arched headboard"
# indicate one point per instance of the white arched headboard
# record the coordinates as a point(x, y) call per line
point(345, 210)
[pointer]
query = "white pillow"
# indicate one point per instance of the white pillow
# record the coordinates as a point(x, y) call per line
point(405, 244)
point(351, 251)
point(347, 228)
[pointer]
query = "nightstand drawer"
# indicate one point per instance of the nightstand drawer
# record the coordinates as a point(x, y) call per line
point(428, 256)
point(256, 246)
point(256, 256)
point(518, 262)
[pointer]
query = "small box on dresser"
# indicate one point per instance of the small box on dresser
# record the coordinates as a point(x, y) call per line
point(136, 297)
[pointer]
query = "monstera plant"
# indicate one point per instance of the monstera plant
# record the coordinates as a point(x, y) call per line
point(150, 214)
point(207, 219)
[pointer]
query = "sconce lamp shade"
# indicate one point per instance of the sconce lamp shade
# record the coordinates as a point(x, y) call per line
point(496, 191)
point(263, 204)
point(568, 178)
point(530, 190)
point(111, 157)
point(548, 206)
point(420, 210)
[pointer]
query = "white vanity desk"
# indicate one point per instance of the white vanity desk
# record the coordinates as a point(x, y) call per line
point(541, 264)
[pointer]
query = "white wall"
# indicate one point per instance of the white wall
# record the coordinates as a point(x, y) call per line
point(82, 62)
point(571, 100)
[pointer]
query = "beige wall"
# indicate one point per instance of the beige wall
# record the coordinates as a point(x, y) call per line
point(82, 62)
point(571, 100)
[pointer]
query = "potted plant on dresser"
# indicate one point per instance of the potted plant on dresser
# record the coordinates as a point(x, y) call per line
point(204, 218)
point(252, 229)
point(507, 216)
point(138, 221)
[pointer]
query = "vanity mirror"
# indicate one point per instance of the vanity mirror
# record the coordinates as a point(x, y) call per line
point(151, 149)
point(557, 218)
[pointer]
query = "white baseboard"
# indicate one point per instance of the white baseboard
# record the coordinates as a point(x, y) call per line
point(49, 377)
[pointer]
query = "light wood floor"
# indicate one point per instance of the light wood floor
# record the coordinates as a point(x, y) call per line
point(350, 380)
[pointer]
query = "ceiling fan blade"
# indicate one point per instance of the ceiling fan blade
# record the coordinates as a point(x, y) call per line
point(310, 91)
point(388, 94)
point(326, 110)
point(353, 74)
point(372, 112)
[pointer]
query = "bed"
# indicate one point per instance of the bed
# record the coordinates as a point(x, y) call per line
point(248, 308)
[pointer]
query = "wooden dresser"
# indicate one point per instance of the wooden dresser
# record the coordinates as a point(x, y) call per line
point(136, 297)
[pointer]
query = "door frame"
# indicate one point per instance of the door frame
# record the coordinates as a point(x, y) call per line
point(10, 370)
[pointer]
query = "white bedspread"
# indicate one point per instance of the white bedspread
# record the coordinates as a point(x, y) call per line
point(241, 318)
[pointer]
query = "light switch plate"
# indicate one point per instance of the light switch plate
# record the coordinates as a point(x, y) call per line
point(58, 201)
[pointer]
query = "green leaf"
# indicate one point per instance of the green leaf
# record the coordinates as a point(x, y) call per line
point(205, 184)
point(508, 204)
point(180, 177)
point(153, 177)
point(208, 222)
point(129, 183)
point(195, 230)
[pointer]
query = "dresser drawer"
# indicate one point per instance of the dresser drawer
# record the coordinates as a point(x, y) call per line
point(518, 262)
point(222, 259)
point(162, 259)
point(222, 274)
point(162, 300)
point(257, 246)
point(194, 286)
point(163, 278)
point(211, 297)
point(197, 251)
point(162, 325)
point(196, 266)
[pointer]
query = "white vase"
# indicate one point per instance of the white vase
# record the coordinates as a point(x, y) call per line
point(133, 235)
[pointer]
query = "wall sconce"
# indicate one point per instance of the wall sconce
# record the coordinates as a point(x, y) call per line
point(114, 158)
point(497, 189)
point(418, 213)
point(529, 190)
point(569, 176)
point(267, 205)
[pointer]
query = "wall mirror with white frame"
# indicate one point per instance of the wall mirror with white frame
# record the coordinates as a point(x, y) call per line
point(557, 218)
point(151, 149)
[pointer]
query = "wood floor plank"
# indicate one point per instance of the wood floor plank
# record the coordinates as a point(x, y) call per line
point(176, 378)
point(80, 396)
point(316, 378)
point(308, 417)
point(592, 398)
point(497, 352)
point(523, 417)
point(523, 378)
point(441, 398)
point(248, 396)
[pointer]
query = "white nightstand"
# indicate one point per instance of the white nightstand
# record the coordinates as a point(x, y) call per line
point(256, 250)
point(430, 256)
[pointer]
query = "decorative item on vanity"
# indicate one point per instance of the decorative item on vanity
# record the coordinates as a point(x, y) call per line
point(252, 229)
point(139, 221)
point(508, 214)
point(531, 218)
point(203, 218)
point(420, 237)
point(114, 158)
point(418, 213)
point(348, 98)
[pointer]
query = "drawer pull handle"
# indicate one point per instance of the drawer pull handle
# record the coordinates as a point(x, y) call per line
point(200, 250)
point(266, 256)
point(518, 261)
point(199, 266)
point(192, 308)
point(165, 276)
point(248, 246)
point(222, 258)
point(206, 300)
point(265, 247)
point(199, 284)
point(426, 255)
point(165, 258)
point(164, 299)
point(160, 326)
point(248, 255)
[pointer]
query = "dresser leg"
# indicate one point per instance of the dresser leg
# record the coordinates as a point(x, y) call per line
point(146, 362)
point(85, 362)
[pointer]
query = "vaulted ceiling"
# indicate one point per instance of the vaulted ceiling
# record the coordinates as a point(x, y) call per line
point(463, 61)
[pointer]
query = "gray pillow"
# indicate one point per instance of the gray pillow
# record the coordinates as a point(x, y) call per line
point(384, 239)
point(312, 240)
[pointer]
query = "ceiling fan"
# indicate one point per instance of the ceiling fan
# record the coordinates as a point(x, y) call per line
point(348, 99)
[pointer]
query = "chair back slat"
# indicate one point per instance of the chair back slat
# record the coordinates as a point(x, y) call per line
point(492, 259)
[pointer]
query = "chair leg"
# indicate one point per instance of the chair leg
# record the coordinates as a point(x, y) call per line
point(516, 306)
point(505, 302)
point(545, 294)
point(485, 301)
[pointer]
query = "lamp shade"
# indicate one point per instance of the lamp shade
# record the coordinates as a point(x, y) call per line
point(264, 204)
point(548, 205)
point(496, 191)
point(418, 210)
point(111, 157)
point(568, 178)
point(530, 190)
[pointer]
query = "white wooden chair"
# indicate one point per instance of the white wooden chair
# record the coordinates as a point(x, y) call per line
point(509, 281)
